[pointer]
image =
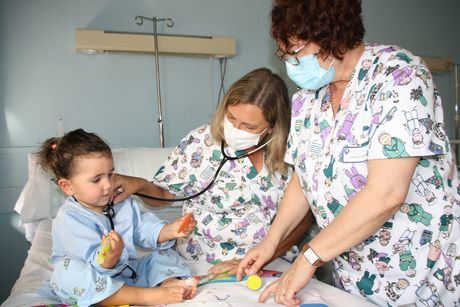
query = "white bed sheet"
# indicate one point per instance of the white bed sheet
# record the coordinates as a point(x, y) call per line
point(37, 268)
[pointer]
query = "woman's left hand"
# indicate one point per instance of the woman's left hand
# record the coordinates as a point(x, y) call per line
point(228, 266)
point(291, 282)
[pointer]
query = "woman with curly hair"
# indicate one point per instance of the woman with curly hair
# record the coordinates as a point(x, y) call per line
point(372, 162)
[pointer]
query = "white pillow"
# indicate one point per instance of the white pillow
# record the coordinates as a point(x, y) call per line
point(41, 197)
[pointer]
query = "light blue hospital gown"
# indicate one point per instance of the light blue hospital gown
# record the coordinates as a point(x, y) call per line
point(390, 109)
point(77, 232)
point(236, 212)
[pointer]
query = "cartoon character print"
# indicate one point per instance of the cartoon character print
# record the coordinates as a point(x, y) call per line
point(416, 214)
point(366, 283)
point(416, 94)
point(344, 132)
point(357, 180)
point(333, 204)
point(329, 172)
point(324, 128)
point(208, 238)
point(208, 140)
point(241, 228)
point(436, 179)
point(259, 235)
point(193, 249)
point(211, 259)
point(384, 233)
point(228, 246)
point(394, 290)
point(269, 203)
point(428, 295)
point(446, 221)
point(402, 76)
point(407, 262)
point(315, 177)
point(445, 274)
point(381, 261)
point(101, 284)
point(197, 158)
point(426, 236)
point(365, 66)
point(414, 128)
point(422, 188)
point(180, 149)
point(349, 192)
point(393, 147)
point(353, 259)
point(297, 104)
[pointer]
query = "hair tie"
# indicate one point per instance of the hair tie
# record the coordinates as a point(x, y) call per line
point(53, 146)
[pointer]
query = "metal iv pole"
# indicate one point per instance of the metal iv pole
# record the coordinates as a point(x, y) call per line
point(169, 22)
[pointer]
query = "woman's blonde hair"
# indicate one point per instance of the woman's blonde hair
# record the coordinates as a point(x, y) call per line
point(268, 91)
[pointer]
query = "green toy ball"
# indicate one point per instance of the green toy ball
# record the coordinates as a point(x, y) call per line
point(254, 282)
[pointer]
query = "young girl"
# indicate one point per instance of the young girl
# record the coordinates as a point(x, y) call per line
point(94, 256)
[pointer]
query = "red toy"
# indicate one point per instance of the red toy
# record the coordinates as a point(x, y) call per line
point(186, 222)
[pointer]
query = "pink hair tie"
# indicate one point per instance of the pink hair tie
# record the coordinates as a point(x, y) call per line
point(53, 146)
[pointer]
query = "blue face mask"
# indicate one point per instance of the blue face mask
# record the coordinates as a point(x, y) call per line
point(309, 74)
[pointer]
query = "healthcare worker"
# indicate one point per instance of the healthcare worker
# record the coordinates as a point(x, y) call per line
point(237, 210)
point(367, 137)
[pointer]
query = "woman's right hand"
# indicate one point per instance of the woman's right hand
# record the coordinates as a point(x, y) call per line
point(255, 259)
point(125, 186)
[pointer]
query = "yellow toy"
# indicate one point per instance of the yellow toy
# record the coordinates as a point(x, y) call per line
point(254, 282)
point(105, 248)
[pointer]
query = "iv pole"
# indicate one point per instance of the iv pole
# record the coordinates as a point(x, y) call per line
point(169, 22)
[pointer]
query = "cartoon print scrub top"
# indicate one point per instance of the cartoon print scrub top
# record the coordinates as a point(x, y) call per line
point(234, 214)
point(390, 109)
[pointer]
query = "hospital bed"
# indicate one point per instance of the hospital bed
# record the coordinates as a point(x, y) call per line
point(38, 204)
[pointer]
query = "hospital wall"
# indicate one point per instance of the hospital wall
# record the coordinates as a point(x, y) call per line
point(43, 79)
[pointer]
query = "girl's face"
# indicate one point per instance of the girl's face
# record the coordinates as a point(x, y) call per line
point(247, 117)
point(92, 183)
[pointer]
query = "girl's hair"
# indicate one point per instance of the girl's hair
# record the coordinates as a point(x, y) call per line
point(335, 25)
point(268, 91)
point(58, 154)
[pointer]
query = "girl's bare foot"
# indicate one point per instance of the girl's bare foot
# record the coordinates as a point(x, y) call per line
point(168, 295)
point(188, 284)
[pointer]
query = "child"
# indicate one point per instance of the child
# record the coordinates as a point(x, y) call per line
point(89, 223)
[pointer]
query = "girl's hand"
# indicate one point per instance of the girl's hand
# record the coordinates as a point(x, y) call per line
point(291, 282)
point(228, 266)
point(116, 248)
point(184, 226)
point(255, 259)
point(180, 228)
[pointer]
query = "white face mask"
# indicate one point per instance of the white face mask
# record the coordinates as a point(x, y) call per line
point(239, 139)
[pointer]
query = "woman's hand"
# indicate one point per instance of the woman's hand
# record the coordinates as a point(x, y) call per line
point(180, 228)
point(291, 282)
point(116, 248)
point(228, 266)
point(255, 259)
point(125, 186)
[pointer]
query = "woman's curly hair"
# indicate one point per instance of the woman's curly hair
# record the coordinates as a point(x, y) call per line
point(335, 25)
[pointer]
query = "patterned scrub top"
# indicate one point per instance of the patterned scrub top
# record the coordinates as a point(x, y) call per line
point(235, 213)
point(390, 109)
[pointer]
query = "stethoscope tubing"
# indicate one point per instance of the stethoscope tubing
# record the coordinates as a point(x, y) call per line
point(224, 160)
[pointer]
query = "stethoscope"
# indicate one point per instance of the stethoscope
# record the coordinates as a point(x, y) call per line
point(224, 160)
point(109, 212)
